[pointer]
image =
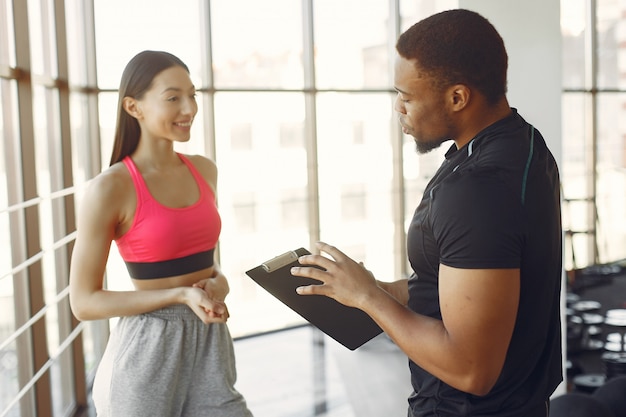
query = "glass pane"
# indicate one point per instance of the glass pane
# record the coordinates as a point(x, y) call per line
point(270, 52)
point(125, 28)
point(573, 30)
point(45, 138)
point(83, 146)
point(107, 107)
point(611, 171)
point(574, 169)
point(51, 219)
point(42, 38)
point(7, 34)
point(8, 368)
point(62, 383)
point(262, 195)
point(355, 177)
point(575, 174)
point(361, 28)
point(44, 134)
point(611, 28)
point(7, 307)
point(8, 355)
point(7, 115)
point(76, 26)
point(89, 350)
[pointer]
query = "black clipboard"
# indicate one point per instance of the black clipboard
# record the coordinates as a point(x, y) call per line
point(347, 325)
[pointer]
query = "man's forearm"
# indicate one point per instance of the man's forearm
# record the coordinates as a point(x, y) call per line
point(397, 289)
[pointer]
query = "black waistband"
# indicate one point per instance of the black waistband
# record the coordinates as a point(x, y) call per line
point(172, 267)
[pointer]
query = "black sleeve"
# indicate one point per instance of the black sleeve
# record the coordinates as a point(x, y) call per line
point(477, 222)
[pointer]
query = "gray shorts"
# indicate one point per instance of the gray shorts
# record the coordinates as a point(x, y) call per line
point(168, 363)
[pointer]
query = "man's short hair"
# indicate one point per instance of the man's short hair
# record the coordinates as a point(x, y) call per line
point(458, 47)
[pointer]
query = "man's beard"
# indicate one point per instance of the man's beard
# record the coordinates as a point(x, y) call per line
point(427, 146)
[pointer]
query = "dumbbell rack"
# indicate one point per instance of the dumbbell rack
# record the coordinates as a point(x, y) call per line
point(596, 326)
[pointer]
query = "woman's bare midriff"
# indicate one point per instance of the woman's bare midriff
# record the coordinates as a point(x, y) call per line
point(186, 280)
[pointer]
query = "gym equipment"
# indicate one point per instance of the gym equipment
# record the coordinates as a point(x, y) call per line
point(578, 405)
point(613, 395)
point(588, 383)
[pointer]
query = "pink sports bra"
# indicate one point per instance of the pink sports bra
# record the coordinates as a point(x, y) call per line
point(165, 241)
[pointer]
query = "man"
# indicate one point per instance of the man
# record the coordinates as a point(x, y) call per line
point(479, 317)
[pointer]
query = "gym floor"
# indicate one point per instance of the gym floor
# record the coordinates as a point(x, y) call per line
point(288, 374)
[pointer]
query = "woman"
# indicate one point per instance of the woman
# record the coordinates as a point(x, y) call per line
point(171, 353)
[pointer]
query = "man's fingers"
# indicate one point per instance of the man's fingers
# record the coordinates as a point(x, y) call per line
point(335, 253)
point(315, 260)
point(306, 271)
point(310, 290)
point(326, 268)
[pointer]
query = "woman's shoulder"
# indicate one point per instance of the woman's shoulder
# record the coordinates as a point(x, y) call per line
point(205, 166)
point(201, 162)
point(112, 185)
point(108, 198)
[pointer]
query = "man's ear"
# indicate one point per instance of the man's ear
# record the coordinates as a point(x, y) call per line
point(131, 107)
point(460, 96)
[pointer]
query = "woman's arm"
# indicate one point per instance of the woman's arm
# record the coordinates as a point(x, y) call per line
point(101, 213)
point(216, 286)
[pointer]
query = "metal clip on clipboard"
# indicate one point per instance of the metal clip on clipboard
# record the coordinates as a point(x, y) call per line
point(280, 261)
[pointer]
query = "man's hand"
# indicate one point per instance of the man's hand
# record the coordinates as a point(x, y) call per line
point(342, 278)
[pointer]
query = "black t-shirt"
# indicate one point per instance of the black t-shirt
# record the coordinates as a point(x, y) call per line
point(495, 203)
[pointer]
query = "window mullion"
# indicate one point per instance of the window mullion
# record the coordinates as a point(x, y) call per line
point(591, 72)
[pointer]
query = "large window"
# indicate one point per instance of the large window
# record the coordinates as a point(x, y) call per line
point(41, 355)
point(302, 130)
point(594, 131)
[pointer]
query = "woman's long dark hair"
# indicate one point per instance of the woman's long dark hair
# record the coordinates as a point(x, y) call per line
point(136, 80)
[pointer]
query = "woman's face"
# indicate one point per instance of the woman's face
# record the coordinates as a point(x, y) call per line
point(167, 109)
